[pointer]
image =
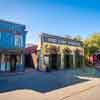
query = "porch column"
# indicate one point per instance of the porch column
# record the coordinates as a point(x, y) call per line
point(74, 64)
point(41, 65)
point(3, 63)
point(8, 64)
point(18, 59)
point(34, 59)
point(22, 59)
point(22, 62)
point(83, 65)
point(62, 59)
point(19, 64)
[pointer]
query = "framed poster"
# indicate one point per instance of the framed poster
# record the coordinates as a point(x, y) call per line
point(46, 60)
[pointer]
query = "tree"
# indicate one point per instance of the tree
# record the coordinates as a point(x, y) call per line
point(92, 44)
point(77, 38)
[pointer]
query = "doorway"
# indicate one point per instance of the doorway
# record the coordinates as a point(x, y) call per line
point(78, 59)
point(53, 61)
point(28, 61)
point(68, 58)
point(67, 61)
point(13, 61)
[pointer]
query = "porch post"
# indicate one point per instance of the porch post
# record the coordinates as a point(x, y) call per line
point(21, 58)
point(62, 59)
point(74, 64)
point(3, 63)
point(34, 59)
point(22, 62)
point(19, 64)
point(8, 63)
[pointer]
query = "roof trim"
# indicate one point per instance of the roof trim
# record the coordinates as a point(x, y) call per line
point(5, 21)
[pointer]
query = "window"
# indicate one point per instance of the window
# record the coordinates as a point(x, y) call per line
point(18, 41)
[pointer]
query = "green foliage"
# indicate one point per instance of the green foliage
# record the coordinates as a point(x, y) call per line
point(92, 44)
point(77, 38)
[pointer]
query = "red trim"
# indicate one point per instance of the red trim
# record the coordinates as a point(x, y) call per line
point(32, 49)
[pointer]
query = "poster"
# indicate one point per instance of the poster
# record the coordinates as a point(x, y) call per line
point(46, 60)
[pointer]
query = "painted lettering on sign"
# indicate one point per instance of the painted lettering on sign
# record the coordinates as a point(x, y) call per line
point(52, 40)
point(73, 43)
point(59, 40)
point(62, 41)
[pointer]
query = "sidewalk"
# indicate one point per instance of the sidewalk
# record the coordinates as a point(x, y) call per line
point(57, 85)
point(69, 91)
point(22, 95)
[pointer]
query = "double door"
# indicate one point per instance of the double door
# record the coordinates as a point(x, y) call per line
point(68, 61)
point(55, 60)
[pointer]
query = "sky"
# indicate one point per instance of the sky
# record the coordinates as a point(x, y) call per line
point(58, 17)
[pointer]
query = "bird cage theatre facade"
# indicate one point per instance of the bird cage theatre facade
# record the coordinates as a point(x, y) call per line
point(59, 53)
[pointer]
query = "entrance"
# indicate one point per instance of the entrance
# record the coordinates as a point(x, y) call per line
point(53, 61)
point(54, 56)
point(67, 61)
point(28, 61)
point(78, 58)
point(13, 61)
point(68, 58)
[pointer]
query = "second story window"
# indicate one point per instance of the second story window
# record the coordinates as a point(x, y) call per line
point(18, 41)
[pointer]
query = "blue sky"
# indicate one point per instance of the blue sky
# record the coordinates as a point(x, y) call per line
point(59, 17)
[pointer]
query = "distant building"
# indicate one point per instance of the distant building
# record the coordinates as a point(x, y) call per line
point(96, 59)
point(30, 53)
point(12, 43)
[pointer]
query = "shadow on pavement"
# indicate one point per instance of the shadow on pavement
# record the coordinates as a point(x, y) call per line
point(88, 72)
point(39, 81)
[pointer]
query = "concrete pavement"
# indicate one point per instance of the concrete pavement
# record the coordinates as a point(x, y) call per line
point(64, 93)
point(91, 94)
point(22, 95)
point(80, 91)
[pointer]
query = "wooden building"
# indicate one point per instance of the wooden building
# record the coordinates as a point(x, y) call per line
point(57, 52)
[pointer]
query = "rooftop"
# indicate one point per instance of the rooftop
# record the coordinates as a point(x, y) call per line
point(5, 21)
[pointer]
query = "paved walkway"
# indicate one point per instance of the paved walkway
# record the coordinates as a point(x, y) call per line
point(90, 94)
point(67, 92)
point(57, 85)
